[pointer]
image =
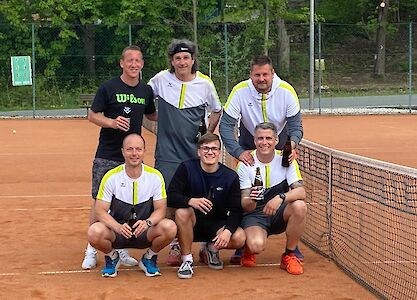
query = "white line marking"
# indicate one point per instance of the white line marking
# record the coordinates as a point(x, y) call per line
point(120, 269)
point(42, 196)
point(43, 153)
point(49, 208)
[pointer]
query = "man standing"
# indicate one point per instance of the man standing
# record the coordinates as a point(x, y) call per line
point(264, 97)
point(207, 197)
point(118, 108)
point(132, 191)
point(185, 97)
point(278, 207)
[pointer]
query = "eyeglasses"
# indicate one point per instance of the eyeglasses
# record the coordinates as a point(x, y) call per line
point(206, 149)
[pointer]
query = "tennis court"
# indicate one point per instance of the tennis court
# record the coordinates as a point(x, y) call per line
point(45, 196)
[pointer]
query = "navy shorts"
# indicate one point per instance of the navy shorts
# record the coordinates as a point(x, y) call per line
point(141, 242)
point(100, 167)
point(205, 229)
point(271, 224)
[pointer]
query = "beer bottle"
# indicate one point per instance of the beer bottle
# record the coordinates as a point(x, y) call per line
point(132, 220)
point(286, 152)
point(258, 184)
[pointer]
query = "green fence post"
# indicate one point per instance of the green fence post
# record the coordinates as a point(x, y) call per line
point(130, 34)
point(226, 64)
point(33, 72)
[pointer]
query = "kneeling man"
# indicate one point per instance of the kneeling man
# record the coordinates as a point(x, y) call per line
point(277, 207)
point(132, 192)
point(207, 197)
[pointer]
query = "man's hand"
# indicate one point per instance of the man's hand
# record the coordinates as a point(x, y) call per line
point(293, 154)
point(222, 239)
point(125, 230)
point(202, 204)
point(121, 123)
point(139, 227)
point(272, 206)
point(247, 158)
point(257, 193)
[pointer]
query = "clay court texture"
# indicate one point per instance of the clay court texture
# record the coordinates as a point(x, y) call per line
point(45, 183)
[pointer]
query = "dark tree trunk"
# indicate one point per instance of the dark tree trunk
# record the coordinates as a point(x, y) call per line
point(379, 67)
point(89, 42)
point(283, 49)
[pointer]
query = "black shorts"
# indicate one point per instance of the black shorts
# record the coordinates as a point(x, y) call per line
point(100, 167)
point(205, 229)
point(271, 224)
point(141, 242)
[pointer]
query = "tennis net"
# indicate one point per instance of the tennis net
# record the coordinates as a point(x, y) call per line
point(362, 213)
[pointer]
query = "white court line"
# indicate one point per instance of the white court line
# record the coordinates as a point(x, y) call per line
point(390, 262)
point(49, 208)
point(42, 153)
point(123, 269)
point(42, 196)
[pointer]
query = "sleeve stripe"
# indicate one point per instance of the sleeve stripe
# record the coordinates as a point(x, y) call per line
point(212, 84)
point(155, 171)
point(105, 178)
point(291, 89)
point(239, 86)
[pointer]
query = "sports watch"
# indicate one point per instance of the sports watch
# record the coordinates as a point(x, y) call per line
point(148, 222)
point(282, 196)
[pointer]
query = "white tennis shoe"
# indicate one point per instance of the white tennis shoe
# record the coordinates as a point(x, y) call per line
point(126, 259)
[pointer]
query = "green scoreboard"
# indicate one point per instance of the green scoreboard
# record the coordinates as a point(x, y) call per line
point(21, 70)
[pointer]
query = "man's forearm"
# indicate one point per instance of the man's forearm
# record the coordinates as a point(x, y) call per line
point(227, 133)
point(101, 120)
point(295, 128)
point(214, 120)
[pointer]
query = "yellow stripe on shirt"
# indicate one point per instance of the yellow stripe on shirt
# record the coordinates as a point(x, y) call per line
point(135, 193)
point(182, 96)
point(263, 101)
point(211, 82)
point(155, 171)
point(105, 178)
point(291, 89)
point(237, 87)
point(267, 176)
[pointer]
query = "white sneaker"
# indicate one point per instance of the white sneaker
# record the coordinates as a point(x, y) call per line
point(90, 259)
point(126, 259)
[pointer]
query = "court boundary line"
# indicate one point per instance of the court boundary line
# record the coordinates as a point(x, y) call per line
point(65, 272)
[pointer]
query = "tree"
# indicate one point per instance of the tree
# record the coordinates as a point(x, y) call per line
point(379, 66)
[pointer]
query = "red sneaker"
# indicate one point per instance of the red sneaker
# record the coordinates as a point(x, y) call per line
point(292, 264)
point(248, 259)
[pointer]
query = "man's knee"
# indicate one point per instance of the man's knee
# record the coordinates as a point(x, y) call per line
point(299, 209)
point(168, 228)
point(96, 233)
point(239, 238)
point(183, 215)
point(255, 243)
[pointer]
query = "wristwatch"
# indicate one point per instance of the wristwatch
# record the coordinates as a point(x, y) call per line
point(282, 196)
point(148, 222)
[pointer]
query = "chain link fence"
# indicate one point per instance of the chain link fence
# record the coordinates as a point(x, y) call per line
point(76, 59)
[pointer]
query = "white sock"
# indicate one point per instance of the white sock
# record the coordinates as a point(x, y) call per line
point(211, 247)
point(187, 257)
point(90, 248)
point(149, 254)
point(112, 254)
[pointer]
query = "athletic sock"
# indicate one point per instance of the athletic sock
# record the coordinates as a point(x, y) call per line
point(211, 247)
point(288, 251)
point(187, 257)
point(112, 254)
point(149, 254)
point(90, 248)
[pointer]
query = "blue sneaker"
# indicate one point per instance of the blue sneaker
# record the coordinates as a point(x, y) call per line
point(298, 254)
point(149, 266)
point(111, 266)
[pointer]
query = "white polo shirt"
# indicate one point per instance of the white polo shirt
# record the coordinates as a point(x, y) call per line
point(197, 92)
point(246, 103)
point(272, 173)
point(116, 182)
